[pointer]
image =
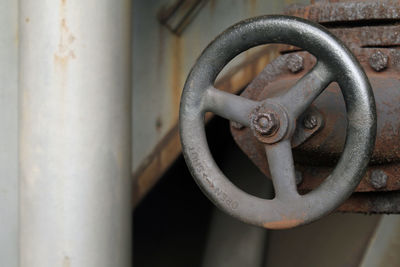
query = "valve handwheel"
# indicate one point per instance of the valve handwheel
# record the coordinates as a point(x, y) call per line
point(273, 122)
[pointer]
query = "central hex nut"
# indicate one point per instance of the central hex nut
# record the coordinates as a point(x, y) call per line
point(269, 122)
point(266, 123)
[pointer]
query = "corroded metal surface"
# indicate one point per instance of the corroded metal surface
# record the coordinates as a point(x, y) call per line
point(326, 146)
point(324, 12)
point(374, 202)
point(376, 47)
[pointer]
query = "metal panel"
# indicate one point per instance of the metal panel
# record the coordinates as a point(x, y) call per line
point(163, 60)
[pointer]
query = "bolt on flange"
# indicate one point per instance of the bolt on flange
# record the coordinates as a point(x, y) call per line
point(310, 121)
point(378, 61)
point(378, 179)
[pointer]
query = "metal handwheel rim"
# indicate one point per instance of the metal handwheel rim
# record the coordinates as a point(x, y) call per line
point(337, 64)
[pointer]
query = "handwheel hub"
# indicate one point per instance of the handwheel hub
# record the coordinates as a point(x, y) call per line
point(269, 123)
point(266, 123)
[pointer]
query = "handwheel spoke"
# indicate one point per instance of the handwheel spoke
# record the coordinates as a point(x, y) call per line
point(229, 106)
point(303, 93)
point(281, 166)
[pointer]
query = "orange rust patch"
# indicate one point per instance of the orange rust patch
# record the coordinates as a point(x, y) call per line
point(176, 83)
point(66, 40)
point(64, 51)
point(283, 224)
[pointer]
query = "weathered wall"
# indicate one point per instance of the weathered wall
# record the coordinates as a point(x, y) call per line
point(162, 60)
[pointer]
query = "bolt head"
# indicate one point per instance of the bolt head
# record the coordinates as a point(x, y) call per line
point(378, 179)
point(310, 121)
point(263, 122)
point(266, 123)
point(378, 61)
point(295, 63)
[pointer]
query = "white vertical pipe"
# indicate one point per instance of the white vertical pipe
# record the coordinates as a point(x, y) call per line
point(75, 203)
point(8, 133)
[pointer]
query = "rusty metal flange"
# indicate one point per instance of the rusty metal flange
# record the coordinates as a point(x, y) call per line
point(376, 46)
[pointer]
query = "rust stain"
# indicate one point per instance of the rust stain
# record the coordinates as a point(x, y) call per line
point(362, 40)
point(63, 54)
point(176, 77)
point(283, 224)
point(212, 6)
point(321, 11)
point(253, 7)
point(325, 148)
point(373, 202)
point(161, 48)
point(64, 51)
point(313, 176)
